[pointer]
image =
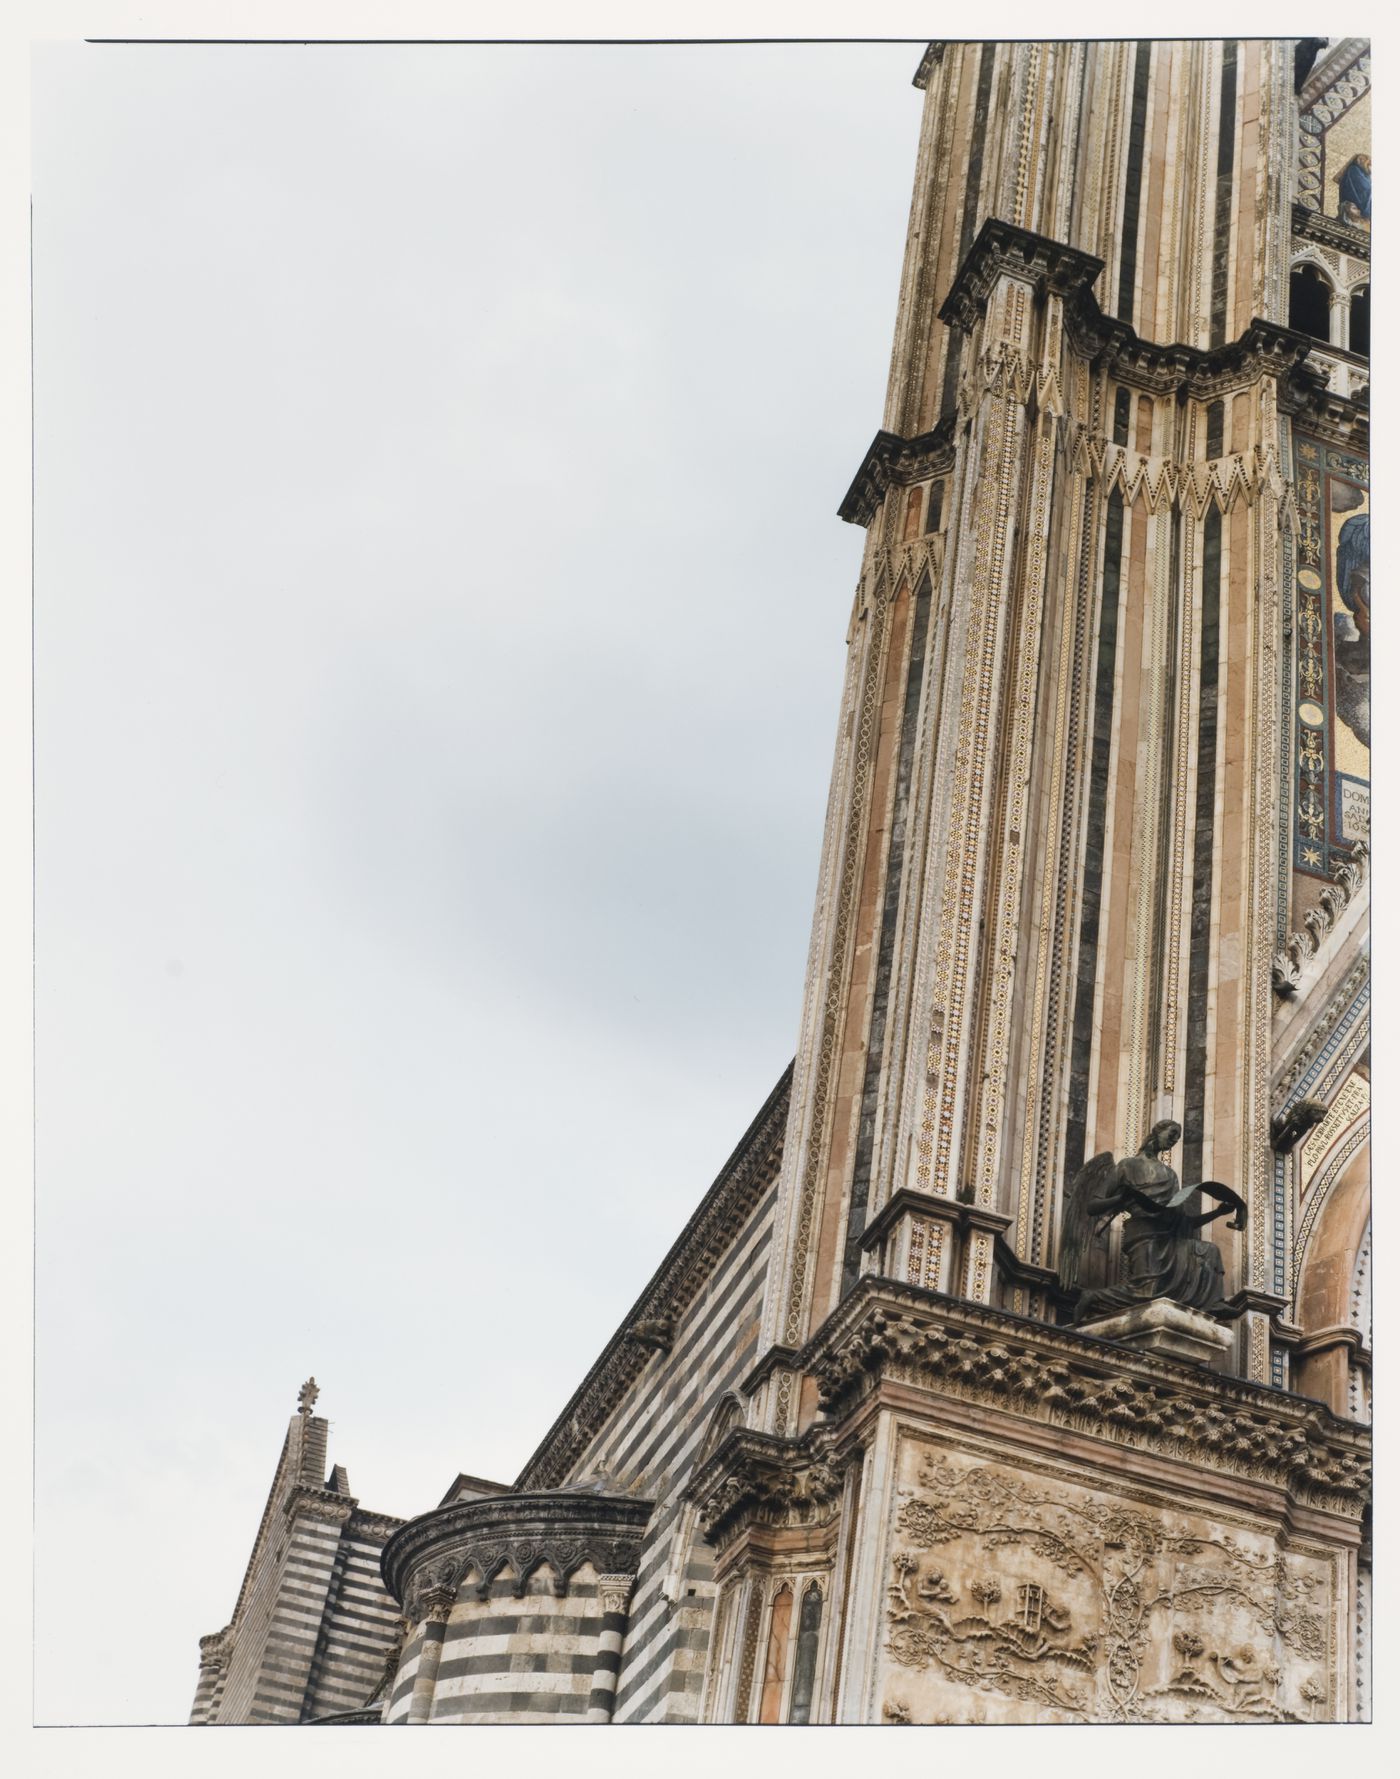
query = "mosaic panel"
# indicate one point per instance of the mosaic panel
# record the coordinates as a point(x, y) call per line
point(1332, 728)
point(1334, 147)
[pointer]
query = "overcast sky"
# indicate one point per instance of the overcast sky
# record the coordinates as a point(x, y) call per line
point(440, 608)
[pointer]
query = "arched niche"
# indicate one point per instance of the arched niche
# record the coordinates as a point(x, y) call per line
point(1359, 334)
point(1326, 1308)
point(1310, 300)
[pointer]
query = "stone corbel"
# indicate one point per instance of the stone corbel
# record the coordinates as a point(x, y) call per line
point(655, 1333)
point(214, 1650)
point(764, 1499)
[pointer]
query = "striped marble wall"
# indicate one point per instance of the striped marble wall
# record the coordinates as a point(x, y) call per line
point(313, 1624)
point(651, 1445)
point(508, 1658)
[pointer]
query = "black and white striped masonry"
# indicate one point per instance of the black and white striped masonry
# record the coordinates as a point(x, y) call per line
point(313, 1624)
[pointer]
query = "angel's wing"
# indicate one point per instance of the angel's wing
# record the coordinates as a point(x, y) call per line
point(1083, 1244)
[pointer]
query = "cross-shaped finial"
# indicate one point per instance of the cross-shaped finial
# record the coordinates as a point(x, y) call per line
point(306, 1397)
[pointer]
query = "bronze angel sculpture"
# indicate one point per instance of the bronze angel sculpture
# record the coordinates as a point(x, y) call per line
point(1161, 1254)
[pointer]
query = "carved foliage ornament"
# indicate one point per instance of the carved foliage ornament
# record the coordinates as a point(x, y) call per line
point(1055, 1376)
point(757, 1478)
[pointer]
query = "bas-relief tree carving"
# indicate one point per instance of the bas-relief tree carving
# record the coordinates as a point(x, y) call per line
point(1089, 1610)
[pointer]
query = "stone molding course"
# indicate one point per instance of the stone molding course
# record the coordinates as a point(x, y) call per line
point(1222, 1423)
point(1265, 348)
point(426, 1561)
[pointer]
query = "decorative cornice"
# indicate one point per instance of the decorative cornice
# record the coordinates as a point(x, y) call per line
point(886, 1330)
point(743, 1180)
point(1004, 250)
point(959, 1212)
point(1301, 950)
point(560, 1528)
point(1325, 1340)
point(1263, 349)
point(1331, 231)
point(318, 1504)
point(1342, 420)
point(760, 1479)
point(893, 462)
point(930, 59)
point(777, 1358)
point(373, 1526)
point(1184, 372)
point(1333, 1012)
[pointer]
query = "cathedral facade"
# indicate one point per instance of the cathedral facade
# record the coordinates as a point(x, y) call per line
point(1016, 1367)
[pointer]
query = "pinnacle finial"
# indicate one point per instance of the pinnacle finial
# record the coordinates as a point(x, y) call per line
point(306, 1396)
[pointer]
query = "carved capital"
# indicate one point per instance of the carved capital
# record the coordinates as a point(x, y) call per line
point(436, 1603)
point(614, 1592)
point(761, 1479)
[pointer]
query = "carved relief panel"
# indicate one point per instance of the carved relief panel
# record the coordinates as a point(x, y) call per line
point(1015, 1595)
